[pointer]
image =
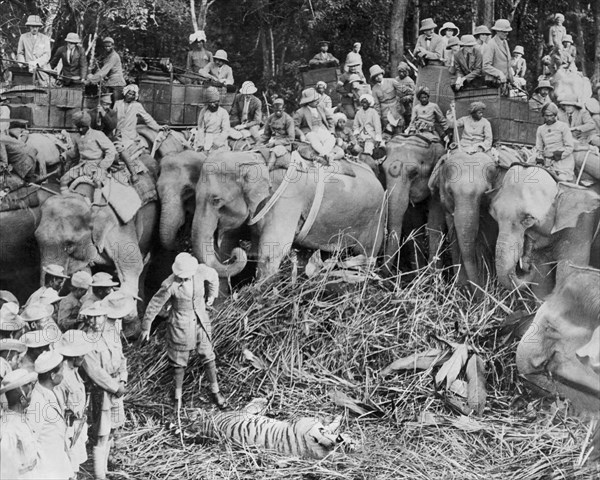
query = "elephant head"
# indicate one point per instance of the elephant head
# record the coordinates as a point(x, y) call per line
point(534, 213)
point(464, 181)
point(230, 188)
point(563, 339)
point(407, 167)
point(176, 185)
point(74, 234)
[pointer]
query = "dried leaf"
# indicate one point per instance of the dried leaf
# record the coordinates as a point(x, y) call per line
point(417, 361)
point(343, 400)
point(257, 362)
point(476, 389)
point(467, 424)
point(364, 408)
point(459, 387)
point(314, 264)
point(451, 369)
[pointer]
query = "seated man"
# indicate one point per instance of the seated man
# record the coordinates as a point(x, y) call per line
point(408, 85)
point(213, 124)
point(568, 54)
point(427, 118)
point(128, 110)
point(467, 69)
point(580, 122)
point(104, 117)
point(387, 93)
point(367, 125)
point(350, 87)
point(246, 113)
point(323, 58)
point(96, 152)
point(17, 157)
point(353, 66)
point(279, 131)
point(219, 70)
point(34, 48)
point(554, 145)
point(325, 100)
point(315, 126)
point(477, 131)
point(541, 95)
point(344, 137)
point(430, 46)
point(69, 306)
point(519, 67)
point(74, 63)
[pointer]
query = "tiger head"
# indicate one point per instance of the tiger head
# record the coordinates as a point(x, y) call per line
point(322, 440)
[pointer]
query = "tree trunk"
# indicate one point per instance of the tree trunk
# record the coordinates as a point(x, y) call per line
point(579, 43)
point(193, 15)
point(201, 19)
point(416, 19)
point(513, 9)
point(397, 32)
point(596, 73)
point(51, 8)
point(485, 12)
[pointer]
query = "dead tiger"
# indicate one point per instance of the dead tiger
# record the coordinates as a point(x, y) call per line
point(248, 427)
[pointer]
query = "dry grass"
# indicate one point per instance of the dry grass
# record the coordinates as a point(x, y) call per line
point(317, 336)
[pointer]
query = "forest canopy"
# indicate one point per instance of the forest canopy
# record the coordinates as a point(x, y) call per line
point(269, 40)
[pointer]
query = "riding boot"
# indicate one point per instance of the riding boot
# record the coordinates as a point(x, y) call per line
point(99, 463)
point(210, 369)
point(178, 373)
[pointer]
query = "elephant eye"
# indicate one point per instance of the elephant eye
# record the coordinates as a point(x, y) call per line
point(528, 221)
point(215, 201)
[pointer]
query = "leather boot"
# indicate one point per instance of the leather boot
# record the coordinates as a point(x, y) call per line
point(178, 373)
point(99, 463)
point(210, 369)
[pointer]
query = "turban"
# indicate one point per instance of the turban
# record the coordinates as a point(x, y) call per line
point(422, 90)
point(476, 106)
point(321, 82)
point(368, 98)
point(212, 95)
point(132, 88)
point(550, 108)
point(339, 116)
point(82, 119)
point(278, 101)
point(403, 66)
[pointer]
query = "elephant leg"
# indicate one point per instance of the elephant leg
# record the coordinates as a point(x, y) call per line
point(455, 250)
point(435, 230)
point(276, 240)
point(124, 251)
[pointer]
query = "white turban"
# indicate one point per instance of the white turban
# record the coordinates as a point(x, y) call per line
point(198, 36)
point(368, 98)
point(132, 88)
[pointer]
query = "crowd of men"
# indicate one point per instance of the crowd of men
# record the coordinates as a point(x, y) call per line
point(62, 367)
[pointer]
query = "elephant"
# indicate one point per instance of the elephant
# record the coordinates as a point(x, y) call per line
point(19, 257)
point(75, 233)
point(542, 225)
point(563, 340)
point(407, 167)
point(465, 184)
point(305, 205)
point(169, 142)
point(176, 185)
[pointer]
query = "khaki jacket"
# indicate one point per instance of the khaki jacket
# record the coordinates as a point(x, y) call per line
point(185, 309)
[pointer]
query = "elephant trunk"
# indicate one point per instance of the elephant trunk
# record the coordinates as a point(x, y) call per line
point(203, 242)
point(397, 205)
point(172, 218)
point(466, 225)
point(512, 271)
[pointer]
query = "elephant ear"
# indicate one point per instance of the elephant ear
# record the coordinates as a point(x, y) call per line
point(104, 221)
point(571, 202)
point(255, 184)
